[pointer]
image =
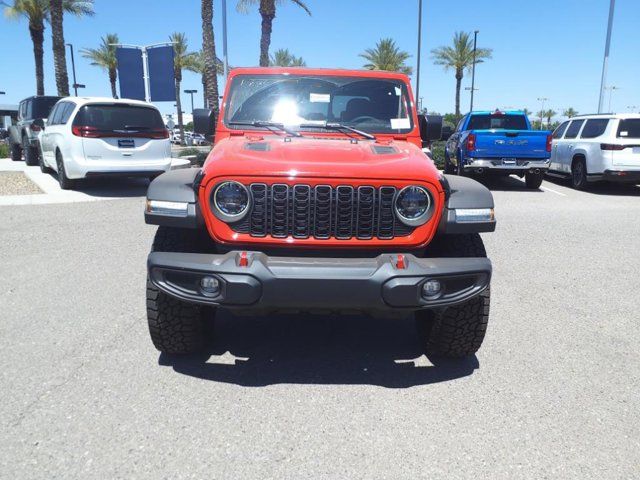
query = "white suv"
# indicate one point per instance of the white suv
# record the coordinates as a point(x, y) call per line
point(86, 137)
point(591, 148)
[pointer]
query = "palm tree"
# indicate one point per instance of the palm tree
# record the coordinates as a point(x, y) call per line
point(209, 54)
point(105, 57)
point(570, 112)
point(267, 9)
point(386, 56)
point(549, 114)
point(459, 57)
point(37, 12)
point(181, 59)
point(197, 66)
point(284, 58)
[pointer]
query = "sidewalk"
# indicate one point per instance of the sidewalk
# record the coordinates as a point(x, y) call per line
point(98, 189)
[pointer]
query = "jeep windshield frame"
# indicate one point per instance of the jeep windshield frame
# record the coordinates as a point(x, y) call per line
point(314, 103)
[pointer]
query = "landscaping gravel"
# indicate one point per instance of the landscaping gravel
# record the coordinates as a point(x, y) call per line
point(17, 183)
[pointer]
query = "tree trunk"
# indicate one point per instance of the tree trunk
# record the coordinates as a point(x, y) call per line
point(209, 52)
point(113, 76)
point(459, 75)
point(59, 52)
point(179, 107)
point(268, 13)
point(37, 37)
point(204, 91)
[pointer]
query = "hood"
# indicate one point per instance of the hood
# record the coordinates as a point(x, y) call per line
point(319, 157)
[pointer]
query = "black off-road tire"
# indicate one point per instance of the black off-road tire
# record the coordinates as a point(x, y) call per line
point(579, 174)
point(16, 152)
point(44, 168)
point(533, 180)
point(459, 330)
point(177, 327)
point(30, 153)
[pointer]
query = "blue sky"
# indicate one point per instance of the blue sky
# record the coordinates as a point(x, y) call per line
point(541, 48)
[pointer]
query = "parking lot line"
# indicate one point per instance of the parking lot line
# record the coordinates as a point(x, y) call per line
point(553, 191)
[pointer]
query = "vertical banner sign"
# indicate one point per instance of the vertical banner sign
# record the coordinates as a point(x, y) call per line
point(162, 84)
point(130, 73)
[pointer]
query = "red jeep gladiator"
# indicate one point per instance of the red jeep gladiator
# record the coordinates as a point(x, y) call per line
point(317, 197)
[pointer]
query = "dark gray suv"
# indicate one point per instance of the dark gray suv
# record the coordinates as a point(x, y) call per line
point(23, 136)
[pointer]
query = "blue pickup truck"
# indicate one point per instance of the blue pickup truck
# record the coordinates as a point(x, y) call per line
point(500, 143)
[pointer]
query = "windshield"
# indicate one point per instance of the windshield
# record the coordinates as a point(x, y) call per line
point(308, 102)
point(119, 117)
point(498, 122)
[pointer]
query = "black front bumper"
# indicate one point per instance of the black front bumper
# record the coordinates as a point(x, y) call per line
point(380, 284)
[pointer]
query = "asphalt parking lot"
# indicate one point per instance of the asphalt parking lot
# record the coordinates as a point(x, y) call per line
point(553, 393)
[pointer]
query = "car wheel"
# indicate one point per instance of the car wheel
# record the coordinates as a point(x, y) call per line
point(533, 180)
point(459, 330)
point(448, 167)
point(43, 166)
point(178, 327)
point(65, 182)
point(30, 153)
point(16, 152)
point(579, 174)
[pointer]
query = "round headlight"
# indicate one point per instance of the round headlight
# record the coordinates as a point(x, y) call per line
point(413, 205)
point(230, 201)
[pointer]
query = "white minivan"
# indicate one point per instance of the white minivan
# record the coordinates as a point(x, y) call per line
point(87, 137)
point(591, 148)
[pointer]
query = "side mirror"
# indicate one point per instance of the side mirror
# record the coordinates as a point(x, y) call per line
point(204, 122)
point(38, 123)
point(430, 128)
point(447, 131)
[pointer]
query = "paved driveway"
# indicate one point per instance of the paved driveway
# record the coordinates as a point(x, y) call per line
point(553, 393)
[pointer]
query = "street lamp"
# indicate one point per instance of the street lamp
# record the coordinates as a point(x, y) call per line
point(605, 61)
point(191, 92)
point(76, 85)
point(611, 89)
point(542, 99)
point(419, 44)
point(473, 67)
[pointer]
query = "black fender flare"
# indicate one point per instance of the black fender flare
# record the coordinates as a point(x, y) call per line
point(176, 186)
point(465, 193)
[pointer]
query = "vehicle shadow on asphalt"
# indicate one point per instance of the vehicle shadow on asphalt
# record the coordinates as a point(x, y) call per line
point(601, 188)
point(504, 184)
point(347, 350)
point(124, 187)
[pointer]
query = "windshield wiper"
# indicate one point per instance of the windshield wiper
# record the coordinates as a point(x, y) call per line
point(267, 124)
point(339, 126)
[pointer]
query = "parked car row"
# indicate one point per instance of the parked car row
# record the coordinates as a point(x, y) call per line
point(79, 137)
point(191, 138)
point(584, 149)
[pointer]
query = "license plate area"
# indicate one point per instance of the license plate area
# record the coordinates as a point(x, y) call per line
point(126, 143)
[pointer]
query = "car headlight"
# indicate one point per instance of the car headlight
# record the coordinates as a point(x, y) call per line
point(413, 205)
point(230, 201)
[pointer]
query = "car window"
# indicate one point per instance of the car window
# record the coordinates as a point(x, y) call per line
point(558, 132)
point(23, 109)
point(27, 109)
point(66, 112)
point(574, 128)
point(497, 121)
point(42, 106)
point(54, 115)
point(594, 127)
point(460, 123)
point(119, 117)
point(629, 128)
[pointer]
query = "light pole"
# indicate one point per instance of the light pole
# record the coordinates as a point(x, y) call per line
point(419, 45)
point(542, 99)
point(605, 61)
point(611, 89)
point(75, 85)
point(191, 92)
point(473, 67)
point(225, 60)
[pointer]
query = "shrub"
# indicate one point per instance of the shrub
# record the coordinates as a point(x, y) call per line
point(4, 150)
point(437, 153)
point(200, 154)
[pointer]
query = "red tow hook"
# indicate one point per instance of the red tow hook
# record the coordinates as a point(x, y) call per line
point(401, 262)
point(243, 259)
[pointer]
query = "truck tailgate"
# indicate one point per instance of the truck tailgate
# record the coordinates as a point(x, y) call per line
point(511, 143)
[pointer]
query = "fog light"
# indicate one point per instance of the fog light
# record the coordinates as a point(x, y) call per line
point(431, 289)
point(210, 286)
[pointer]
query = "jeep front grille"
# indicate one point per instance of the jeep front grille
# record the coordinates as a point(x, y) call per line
point(322, 212)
